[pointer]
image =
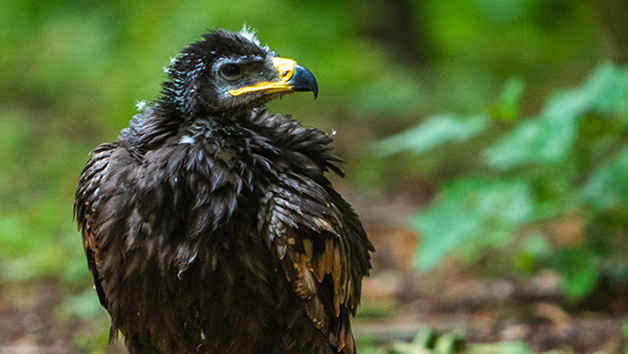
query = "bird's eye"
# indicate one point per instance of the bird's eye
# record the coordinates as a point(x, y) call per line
point(230, 71)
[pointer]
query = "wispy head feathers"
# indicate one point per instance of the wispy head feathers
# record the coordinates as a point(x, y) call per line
point(249, 33)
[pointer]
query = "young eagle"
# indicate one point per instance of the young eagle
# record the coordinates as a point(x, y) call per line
point(209, 226)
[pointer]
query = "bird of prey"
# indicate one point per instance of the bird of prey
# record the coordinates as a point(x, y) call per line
point(209, 225)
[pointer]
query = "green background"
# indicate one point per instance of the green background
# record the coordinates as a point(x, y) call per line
point(514, 118)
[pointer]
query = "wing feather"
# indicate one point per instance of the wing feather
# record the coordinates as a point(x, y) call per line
point(319, 244)
point(86, 200)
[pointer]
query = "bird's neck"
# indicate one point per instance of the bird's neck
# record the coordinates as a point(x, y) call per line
point(155, 125)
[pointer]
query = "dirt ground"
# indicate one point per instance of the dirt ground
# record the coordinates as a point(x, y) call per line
point(397, 303)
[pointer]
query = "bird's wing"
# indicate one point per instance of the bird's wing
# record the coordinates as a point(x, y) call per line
point(319, 243)
point(86, 201)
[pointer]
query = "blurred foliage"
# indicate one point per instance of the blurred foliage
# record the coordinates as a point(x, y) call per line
point(567, 164)
point(72, 72)
point(429, 342)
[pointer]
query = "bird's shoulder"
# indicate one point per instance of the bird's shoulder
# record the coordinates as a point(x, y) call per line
point(298, 142)
point(288, 132)
point(318, 241)
point(96, 175)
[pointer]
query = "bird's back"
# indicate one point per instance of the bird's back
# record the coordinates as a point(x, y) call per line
point(183, 242)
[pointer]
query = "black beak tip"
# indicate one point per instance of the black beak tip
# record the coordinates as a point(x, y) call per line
point(303, 80)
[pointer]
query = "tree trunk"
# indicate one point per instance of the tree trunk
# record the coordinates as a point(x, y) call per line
point(394, 23)
point(613, 19)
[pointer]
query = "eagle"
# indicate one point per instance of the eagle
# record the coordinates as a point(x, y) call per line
point(209, 226)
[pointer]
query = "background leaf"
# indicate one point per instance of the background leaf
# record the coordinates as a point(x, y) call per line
point(549, 137)
point(608, 186)
point(484, 212)
point(432, 133)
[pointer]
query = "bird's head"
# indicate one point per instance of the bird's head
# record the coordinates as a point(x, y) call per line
point(228, 72)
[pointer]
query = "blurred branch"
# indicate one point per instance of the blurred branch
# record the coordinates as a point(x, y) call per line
point(612, 16)
point(396, 24)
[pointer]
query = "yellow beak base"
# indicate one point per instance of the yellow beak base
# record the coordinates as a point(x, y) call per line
point(285, 69)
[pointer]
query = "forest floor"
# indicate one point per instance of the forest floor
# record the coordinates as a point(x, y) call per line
point(397, 304)
point(395, 308)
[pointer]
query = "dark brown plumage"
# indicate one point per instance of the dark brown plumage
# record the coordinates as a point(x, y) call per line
point(209, 226)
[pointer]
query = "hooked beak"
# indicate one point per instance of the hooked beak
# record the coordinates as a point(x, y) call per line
point(292, 77)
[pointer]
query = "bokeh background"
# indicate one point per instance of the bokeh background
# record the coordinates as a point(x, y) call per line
point(485, 140)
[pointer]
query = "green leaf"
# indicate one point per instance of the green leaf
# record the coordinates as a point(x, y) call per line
point(501, 348)
point(614, 96)
point(579, 284)
point(471, 209)
point(535, 246)
point(432, 133)
point(549, 137)
point(507, 107)
point(608, 186)
point(579, 266)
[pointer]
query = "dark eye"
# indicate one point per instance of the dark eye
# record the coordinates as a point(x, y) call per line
point(230, 71)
